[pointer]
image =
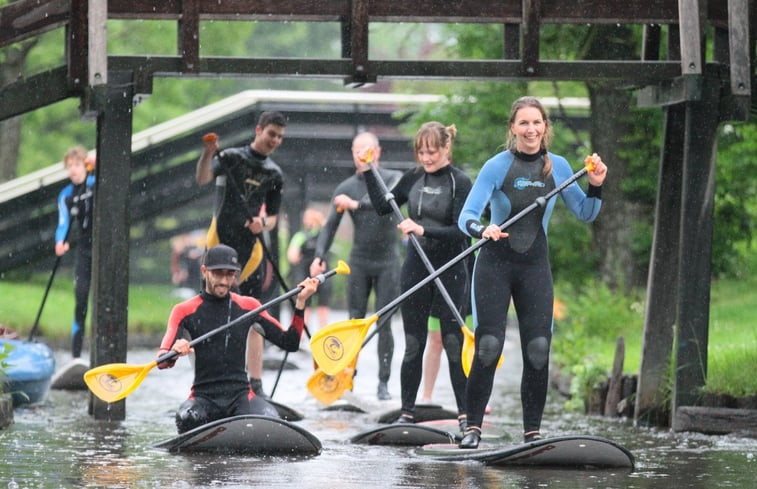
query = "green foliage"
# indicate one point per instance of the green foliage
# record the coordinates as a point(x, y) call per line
point(5, 352)
point(585, 379)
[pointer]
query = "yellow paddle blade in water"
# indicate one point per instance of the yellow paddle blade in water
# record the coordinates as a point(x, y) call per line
point(114, 381)
point(337, 345)
point(329, 388)
point(469, 349)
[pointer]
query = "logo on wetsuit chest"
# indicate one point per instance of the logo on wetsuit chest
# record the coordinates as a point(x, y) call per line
point(431, 190)
point(523, 183)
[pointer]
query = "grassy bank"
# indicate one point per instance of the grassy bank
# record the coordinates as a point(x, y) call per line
point(584, 339)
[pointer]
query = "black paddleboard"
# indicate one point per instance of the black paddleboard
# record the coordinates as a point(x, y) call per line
point(287, 413)
point(423, 412)
point(563, 451)
point(245, 435)
point(405, 435)
point(343, 405)
point(70, 376)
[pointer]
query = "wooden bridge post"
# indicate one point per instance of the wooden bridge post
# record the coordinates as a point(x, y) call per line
point(110, 246)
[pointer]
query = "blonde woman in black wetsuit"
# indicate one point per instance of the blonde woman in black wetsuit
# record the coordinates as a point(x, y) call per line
point(434, 192)
point(518, 267)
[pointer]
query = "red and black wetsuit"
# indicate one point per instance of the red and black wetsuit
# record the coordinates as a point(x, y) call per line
point(220, 388)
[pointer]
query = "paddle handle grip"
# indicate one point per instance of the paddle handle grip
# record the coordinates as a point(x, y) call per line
point(342, 268)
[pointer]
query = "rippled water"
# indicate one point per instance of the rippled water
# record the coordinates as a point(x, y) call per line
point(59, 445)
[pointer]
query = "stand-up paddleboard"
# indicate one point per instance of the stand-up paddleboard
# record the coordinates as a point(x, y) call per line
point(245, 435)
point(451, 424)
point(287, 413)
point(414, 435)
point(564, 451)
point(423, 412)
point(344, 405)
point(70, 376)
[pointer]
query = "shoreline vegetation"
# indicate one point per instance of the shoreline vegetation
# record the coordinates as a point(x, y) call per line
point(583, 346)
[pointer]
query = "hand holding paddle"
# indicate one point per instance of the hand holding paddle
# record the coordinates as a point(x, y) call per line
point(113, 382)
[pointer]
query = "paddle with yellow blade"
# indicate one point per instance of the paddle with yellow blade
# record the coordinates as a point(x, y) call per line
point(114, 381)
point(336, 346)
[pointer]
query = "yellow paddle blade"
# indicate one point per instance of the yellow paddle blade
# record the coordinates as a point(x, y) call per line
point(337, 345)
point(114, 381)
point(469, 348)
point(329, 388)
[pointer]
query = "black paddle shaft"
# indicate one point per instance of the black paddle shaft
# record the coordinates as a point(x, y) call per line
point(389, 197)
point(246, 316)
point(540, 202)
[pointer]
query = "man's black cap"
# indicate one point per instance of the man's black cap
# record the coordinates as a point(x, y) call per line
point(221, 257)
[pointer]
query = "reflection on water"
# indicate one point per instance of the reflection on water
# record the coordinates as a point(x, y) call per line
point(60, 445)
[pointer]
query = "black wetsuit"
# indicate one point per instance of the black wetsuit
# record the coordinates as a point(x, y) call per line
point(374, 258)
point(305, 240)
point(258, 182)
point(516, 268)
point(220, 388)
point(76, 201)
point(434, 200)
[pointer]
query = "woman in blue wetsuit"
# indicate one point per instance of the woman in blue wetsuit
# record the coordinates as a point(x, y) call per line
point(518, 268)
point(434, 192)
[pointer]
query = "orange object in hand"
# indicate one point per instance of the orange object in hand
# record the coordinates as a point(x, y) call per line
point(590, 162)
point(368, 158)
point(210, 137)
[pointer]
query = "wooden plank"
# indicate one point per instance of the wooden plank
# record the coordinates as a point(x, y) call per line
point(650, 44)
point(97, 59)
point(512, 41)
point(77, 44)
point(662, 284)
point(716, 421)
point(616, 380)
point(24, 19)
point(692, 37)
point(529, 28)
point(111, 222)
point(694, 267)
point(739, 46)
point(188, 42)
point(358, 29)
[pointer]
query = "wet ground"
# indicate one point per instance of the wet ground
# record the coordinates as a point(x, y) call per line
point(59, 445)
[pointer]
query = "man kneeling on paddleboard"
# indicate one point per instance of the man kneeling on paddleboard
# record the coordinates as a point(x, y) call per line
point(220, 388)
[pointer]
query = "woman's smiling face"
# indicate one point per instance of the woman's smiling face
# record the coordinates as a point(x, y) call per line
point(528, 127)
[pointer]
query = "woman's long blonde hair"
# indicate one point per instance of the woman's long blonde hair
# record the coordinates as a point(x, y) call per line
point(528, 101)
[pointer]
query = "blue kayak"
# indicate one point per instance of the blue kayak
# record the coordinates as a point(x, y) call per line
point(29, 369)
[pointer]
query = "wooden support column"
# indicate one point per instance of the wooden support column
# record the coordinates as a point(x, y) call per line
point(530, 37)
point(694, 267)
point(355, 32)
point(111, 221)
point(662, 284)
point(189, 36)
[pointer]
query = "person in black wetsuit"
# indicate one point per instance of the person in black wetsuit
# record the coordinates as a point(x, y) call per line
point(75, 202)
point(220, 388)
point(434, 192)
point(518, 268)
point(249, 188)
point(374, 257)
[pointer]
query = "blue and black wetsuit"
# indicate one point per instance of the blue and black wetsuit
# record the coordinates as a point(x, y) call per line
point(374, 258)
point(258, 182)
point(75, 203)
point(434, 200)
point(516, 268)
point(221, 388)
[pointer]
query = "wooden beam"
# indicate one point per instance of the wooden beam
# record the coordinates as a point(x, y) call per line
point(529, 48)
point(739, 44)
point(358, 48)
point(77, 44)
point(692, 36)
point(694, 266)
point(189, 35)
point(34, 92)
point(650, 44)
point(662, 284)
point(97, 59)
point(512, 41)
point(110, 243)
point(28, 18)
